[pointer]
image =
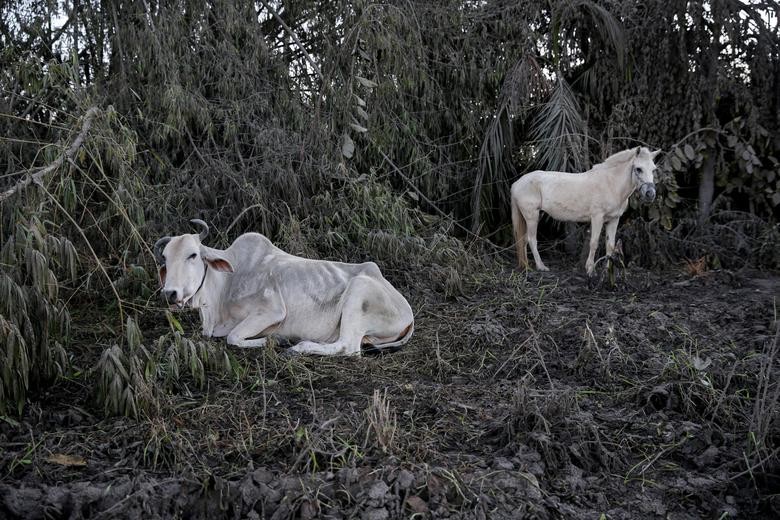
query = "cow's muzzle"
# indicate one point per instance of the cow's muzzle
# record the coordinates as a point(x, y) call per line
point(170, 297)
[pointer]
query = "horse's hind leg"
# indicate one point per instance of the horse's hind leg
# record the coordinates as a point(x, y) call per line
point(521, 235)
point(532, 221)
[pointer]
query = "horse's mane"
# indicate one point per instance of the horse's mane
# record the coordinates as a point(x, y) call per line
point(617, 159)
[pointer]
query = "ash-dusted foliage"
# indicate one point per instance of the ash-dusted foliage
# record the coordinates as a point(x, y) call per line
point(391, 132)
point(132, 379)
point(34, 320)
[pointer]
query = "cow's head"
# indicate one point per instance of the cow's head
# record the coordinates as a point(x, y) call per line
point(643, 173)
point(184, 262)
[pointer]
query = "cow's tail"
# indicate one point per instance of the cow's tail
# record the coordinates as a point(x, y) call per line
point(519, 227)
point(392, 346)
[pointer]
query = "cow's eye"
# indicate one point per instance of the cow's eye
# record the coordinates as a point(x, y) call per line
point(192, 256)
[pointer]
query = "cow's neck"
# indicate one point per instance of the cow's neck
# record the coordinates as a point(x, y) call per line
point(208, 299)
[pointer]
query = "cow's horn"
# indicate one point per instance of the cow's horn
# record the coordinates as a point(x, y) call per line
point(203, 232)
point(158, 247)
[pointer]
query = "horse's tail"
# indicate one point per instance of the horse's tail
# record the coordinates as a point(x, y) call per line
point(518, 224)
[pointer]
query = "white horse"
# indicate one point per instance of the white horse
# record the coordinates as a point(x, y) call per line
point(599, 195)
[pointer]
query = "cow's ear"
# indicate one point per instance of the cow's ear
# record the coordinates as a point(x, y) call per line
point(221, 265)
point(216, 260)
point(162, 272)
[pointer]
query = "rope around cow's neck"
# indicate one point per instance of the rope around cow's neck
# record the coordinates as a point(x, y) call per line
point(202, 281)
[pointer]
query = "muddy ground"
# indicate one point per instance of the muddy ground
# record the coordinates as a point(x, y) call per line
point(539, 395)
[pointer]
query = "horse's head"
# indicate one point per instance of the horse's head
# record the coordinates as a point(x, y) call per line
point(643, 171)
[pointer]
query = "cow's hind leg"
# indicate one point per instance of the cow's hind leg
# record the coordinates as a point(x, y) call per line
point(369, 311)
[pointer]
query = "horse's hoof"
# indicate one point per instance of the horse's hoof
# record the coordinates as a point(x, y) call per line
point(289, 353)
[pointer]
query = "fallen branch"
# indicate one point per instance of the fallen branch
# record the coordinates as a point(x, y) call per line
point(38, 176)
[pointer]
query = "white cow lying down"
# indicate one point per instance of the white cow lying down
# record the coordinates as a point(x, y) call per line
point(253, 289)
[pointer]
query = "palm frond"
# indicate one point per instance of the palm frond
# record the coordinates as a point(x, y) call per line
point(558, 132)
point(524, 84)
point(593, 19)
point(608, 27)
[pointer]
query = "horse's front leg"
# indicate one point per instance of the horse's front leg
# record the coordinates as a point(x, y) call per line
point(596, 222)
point(611, 229)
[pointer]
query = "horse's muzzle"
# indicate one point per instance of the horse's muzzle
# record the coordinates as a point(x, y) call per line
point(647, 193)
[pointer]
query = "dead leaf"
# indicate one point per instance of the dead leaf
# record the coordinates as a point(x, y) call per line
point(67, 460)
point(417, 504)
point(696, 267)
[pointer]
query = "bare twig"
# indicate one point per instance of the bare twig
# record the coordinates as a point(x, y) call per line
point(755, 466)
point(38, 176)
point(120, 208)
point(243, 212)
point(94, 254)
point(294, 37)
point(430, 202)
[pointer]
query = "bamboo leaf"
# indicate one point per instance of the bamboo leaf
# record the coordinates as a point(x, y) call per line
point(347, 146)
point(173, 322)
point(366, 82)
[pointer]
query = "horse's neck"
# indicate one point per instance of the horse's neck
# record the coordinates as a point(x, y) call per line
point(619, 176)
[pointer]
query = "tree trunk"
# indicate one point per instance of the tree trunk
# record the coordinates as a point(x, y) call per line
point(709, 104)
point(706, 186)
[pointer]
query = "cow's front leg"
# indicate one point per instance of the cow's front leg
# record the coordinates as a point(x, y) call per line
point(252, 326)
point(338, 348)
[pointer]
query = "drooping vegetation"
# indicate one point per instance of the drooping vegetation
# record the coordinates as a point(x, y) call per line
point(360, 130)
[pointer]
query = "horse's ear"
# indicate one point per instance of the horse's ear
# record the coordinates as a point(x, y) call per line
point(638, 150)
point(653, 154)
